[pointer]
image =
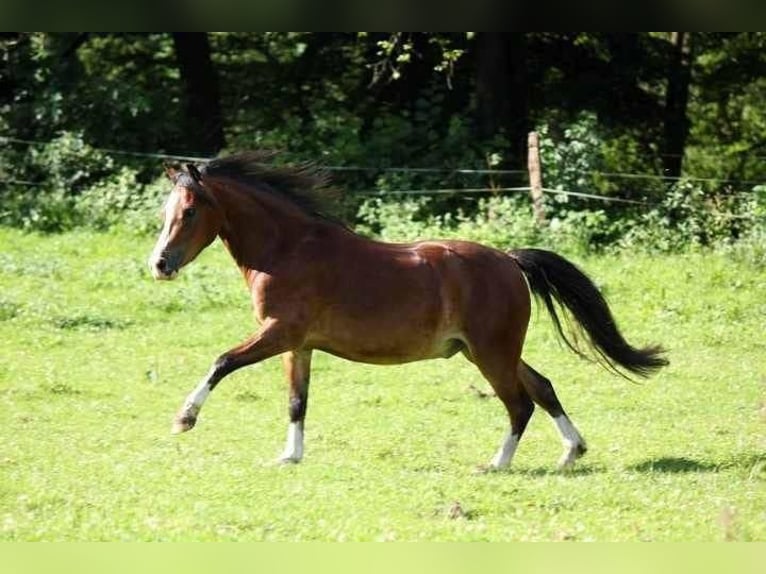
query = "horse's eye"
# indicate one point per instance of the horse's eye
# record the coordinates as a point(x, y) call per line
point(189, 212)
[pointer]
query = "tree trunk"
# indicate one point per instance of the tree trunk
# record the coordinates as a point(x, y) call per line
point(518, 124)
point(204, 120)
point(676, 128)
point(492, 83)
point(502, 98)
point(7, 79)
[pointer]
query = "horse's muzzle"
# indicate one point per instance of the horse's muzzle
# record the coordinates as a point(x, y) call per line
point(163, 269)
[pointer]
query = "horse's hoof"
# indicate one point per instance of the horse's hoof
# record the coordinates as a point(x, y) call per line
point(567, 460)
point(185, 419)
point(183, 424)
point(488, 468)
point(287, 460)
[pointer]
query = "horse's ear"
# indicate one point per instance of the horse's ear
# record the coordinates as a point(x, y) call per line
point(194, 172)
point(170, 171)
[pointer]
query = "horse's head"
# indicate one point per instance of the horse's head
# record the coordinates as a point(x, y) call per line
point(192, 219)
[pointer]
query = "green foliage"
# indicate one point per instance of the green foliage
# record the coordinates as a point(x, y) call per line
point(395, 220)
point(729, 118)
point(74, 184)
point(689, 217)
point(503, 222)
point(571, 154)
point(68, 164)
point(82, 186)
point(119, 90)
point(122, 200)
point(38, 211)
point(381, 101)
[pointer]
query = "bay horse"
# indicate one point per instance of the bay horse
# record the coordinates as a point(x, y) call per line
point(317, 285)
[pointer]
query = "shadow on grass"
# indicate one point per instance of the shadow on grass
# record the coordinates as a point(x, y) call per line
point(673, 465)
point(577, 470)
point(540, 471)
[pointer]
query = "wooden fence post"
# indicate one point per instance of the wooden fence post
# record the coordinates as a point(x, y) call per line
point(535, 178)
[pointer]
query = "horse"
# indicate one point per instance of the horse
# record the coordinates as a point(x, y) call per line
point(316, 285)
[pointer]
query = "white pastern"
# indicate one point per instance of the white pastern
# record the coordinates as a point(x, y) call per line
point(574, 445)
point(198, 396)
point(294, 446)
point(503, 456)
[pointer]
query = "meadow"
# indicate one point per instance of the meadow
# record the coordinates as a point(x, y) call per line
point(95, 358)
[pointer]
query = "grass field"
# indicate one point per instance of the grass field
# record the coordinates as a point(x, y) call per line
point(96, 358)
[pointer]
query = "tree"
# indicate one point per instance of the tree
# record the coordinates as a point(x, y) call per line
point(729, 117)
point(204, 118)
point(396, 99)
point(502, 95)
point(676, 123)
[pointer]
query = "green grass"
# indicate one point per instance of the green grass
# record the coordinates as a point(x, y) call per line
point(96, 358)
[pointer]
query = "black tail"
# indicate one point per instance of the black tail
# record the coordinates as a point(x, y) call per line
point(551, 277)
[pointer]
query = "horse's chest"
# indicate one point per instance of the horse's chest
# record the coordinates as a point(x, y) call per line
point(287, 298)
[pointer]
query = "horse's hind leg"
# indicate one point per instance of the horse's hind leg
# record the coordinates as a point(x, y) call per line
point(500, 370)
point(541, 391)
point(297, 366)
point(520, 408)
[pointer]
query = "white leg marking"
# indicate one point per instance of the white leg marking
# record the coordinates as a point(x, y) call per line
point(294, 446)
point(187, 416)
point(503, 456)
point(574, 445)
point(198, 395)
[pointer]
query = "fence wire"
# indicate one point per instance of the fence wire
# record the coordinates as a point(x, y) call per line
point(413, 170)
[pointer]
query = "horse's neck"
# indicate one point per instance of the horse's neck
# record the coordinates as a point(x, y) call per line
point(259, 230)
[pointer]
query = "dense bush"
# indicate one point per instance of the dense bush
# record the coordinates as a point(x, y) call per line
point(77, 185)
point(499, 221)
point(686, 219)
point(445, 106)
point(67, 183)
point(689, 217)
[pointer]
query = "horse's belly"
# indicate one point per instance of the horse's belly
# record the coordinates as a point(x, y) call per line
point(390, 354)
point(384, 344)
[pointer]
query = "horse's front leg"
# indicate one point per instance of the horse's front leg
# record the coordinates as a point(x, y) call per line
point(273, 338)
point(297, 366)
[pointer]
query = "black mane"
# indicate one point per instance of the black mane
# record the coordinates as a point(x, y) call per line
point(304, 185)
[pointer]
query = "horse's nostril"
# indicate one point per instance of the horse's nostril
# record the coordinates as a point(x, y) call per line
point(162, 265)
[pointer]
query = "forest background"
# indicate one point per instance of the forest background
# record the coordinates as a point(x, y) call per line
point(648, 140)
